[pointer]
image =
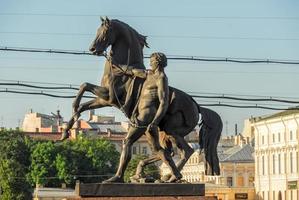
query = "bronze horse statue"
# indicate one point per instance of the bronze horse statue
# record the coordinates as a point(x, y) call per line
point(121, 91)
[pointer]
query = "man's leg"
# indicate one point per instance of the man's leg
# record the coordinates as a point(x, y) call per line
point(133, 135)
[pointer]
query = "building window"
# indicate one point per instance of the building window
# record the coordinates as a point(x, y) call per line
point(263, 140)
point(240, 181)
point(273, 195)
point(144, 150)
point(297, 158)
point(273, 138)
point(230, 181)
point(291, 135)
point(291, 162)
point(263, 165)
point(273, 158)
point(279, 165)
point(285, 163)
point(278, 137)
point(134, 150)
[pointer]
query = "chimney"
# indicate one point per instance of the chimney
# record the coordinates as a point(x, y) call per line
point(59, 118)
point(91, 114)
point(109, 132)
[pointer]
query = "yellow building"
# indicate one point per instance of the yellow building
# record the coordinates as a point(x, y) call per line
point(236, 180)
point(276, 154)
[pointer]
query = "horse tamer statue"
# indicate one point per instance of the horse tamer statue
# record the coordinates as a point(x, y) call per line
point(119, 90)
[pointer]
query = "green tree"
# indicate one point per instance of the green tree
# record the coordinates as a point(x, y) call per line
point(42, 169)
point(149, 171)
point(14, 164)
point(86, 158)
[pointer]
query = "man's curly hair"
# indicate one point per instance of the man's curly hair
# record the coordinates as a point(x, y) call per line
point(161, 58)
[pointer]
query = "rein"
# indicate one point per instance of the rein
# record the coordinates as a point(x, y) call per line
point(109, 59)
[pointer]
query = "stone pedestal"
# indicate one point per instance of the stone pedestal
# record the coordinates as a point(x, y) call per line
point(147, 191)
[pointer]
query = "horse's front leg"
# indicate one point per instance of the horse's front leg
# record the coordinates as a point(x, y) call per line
point(96, 90)
point(92, 104)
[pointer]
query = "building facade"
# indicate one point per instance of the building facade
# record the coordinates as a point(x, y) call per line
point(41, 123)
point(276, 155)
point(236, 180)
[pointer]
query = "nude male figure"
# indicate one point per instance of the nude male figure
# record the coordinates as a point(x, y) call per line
point(151, 108)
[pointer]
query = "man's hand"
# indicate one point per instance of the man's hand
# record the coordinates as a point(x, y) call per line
point(152, 128)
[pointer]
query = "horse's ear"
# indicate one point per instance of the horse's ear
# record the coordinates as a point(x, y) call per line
point(107, 21)
point(102, 19)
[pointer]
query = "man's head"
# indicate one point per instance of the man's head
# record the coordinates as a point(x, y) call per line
point(158, 60)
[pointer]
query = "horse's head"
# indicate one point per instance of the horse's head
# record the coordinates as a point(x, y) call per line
point(104, 37)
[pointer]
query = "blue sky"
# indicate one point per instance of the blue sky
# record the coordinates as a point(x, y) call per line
point(233, 28)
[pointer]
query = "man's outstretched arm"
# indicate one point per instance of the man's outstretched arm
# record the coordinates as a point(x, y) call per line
point(128, 70)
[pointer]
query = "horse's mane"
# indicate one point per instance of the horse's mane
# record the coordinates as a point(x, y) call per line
point(141, 38)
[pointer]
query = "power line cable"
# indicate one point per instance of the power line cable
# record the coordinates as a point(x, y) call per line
point(190, 58)
point(37, 82)
point(189, 92)
point(208, 105)
point(159, 36)
point(245, 99)
point(238, 106)
point(223, 96)
point(154, 16)
point(39, 87)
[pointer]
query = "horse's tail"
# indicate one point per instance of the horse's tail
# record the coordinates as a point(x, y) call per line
point(209, 136)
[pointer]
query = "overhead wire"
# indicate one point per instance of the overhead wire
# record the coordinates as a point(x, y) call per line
point(153, 16)
point(190, 58)
point(193, 94)
point(157, 36)
point(222, 104)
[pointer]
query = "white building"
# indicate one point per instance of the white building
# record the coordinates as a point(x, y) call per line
point(276, 155)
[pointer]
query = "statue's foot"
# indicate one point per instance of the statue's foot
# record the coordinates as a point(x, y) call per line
point(171, 178)
point(174, 179)
point(165, 178)
point(114, 179)
point(135, 179)
point(65, 135)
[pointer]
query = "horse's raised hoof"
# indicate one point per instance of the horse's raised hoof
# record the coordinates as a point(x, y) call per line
point(114, 179)
point(65, 135)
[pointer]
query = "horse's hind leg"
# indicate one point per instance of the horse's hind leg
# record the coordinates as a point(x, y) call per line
point(165, 156)
point(185, 152)
point(141, 165)
point(166, 144)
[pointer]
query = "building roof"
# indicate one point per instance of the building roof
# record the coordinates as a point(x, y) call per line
point(238, 154)
point(279, 114)
point(105, 127)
